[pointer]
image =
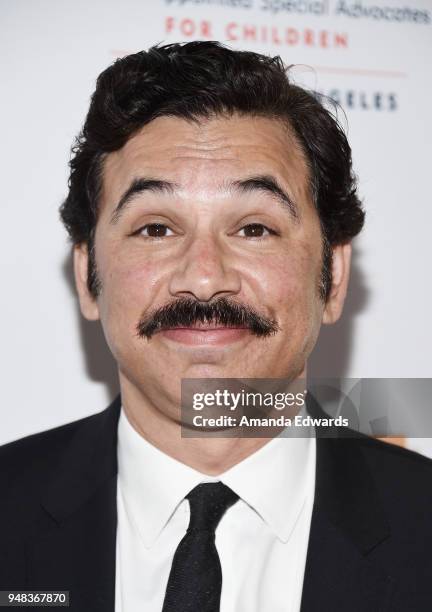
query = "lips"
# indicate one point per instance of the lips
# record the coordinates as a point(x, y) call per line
point(205, 334)
point(208, 327)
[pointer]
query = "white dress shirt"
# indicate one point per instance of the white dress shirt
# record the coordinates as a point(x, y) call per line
point(261, 540)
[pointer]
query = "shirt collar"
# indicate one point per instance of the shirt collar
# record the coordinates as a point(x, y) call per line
point(274, 481)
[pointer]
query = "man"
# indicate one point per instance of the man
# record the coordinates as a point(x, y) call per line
point(211, 206)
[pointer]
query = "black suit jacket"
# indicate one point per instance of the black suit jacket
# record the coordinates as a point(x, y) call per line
point(370, 544)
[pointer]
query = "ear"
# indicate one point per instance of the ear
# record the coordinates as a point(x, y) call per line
point(88, 304)
point(340, 275)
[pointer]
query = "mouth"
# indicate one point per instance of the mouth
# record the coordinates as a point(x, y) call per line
point(205, 334)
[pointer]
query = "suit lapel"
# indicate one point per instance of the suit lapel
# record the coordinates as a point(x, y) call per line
point(348, 523)
point(73, 543)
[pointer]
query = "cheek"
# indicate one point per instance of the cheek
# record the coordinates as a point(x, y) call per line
point(290, 281)
point(129, 289)
point(293, 282)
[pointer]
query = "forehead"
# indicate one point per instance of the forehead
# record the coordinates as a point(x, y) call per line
point(201, 156)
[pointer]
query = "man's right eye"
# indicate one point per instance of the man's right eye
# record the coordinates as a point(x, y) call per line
point(154, 230)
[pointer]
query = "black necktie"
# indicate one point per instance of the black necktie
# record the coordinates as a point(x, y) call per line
point(195, 580)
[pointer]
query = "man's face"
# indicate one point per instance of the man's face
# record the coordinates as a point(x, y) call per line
point(206, 223)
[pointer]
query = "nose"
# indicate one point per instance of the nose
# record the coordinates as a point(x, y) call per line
point(205, 272)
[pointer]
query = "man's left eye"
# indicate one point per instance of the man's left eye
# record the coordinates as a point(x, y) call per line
point(256, 230)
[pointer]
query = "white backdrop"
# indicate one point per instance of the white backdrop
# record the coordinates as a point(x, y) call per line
point(374, 56)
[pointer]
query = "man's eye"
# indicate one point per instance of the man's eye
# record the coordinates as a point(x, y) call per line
point(154, 230)
point(256, 230)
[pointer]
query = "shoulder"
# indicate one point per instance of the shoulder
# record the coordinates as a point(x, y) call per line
point(383, 456)
point(30, 461)
point(62, 457)
point(401, 478)
point(403, 482)
point(397, 466)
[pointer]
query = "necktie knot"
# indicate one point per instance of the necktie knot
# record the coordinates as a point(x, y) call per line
point(208, 502)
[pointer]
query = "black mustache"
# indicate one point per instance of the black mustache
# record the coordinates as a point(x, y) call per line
point(185, 312)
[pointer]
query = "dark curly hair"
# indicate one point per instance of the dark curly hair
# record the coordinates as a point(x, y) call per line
point(199, 80)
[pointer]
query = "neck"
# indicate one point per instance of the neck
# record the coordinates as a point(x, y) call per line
point(209, 455)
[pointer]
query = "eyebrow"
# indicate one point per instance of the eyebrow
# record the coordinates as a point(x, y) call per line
point(268, 184)
point(138, 186)
point(264, 183)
